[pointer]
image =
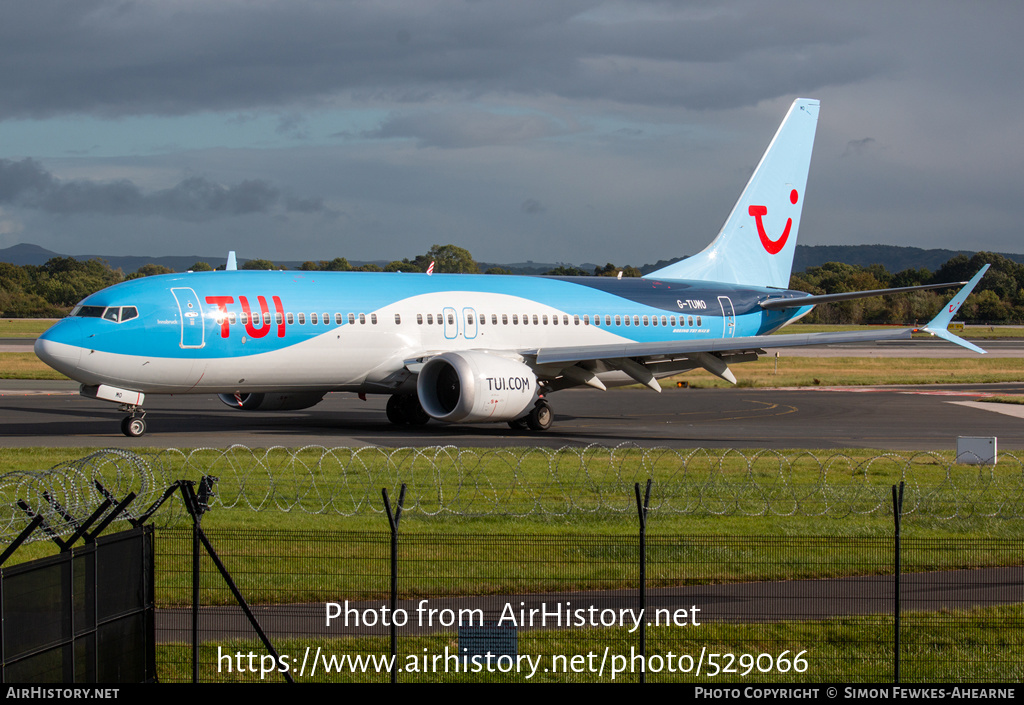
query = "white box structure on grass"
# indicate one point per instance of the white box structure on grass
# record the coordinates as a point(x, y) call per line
point(976, 450)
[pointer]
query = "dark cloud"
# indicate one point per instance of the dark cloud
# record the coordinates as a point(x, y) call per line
point(855, 147)
point(27, 184)
point(110, 58)
point(467, 128)
point(532, 206)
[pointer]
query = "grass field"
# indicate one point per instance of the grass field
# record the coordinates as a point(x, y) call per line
point(591, 546)
point(24, 327)
point(467, 498)
point(986, 645)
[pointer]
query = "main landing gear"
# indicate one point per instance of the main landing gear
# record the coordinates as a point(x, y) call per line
point(405, 409)
point(134, 424)
point(540, 418)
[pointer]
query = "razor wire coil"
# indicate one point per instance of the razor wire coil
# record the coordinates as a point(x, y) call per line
point(522, 482)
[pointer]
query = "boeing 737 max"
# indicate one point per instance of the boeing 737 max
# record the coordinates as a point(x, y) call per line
point(456, 347)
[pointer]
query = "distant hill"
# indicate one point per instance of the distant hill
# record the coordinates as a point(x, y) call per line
point(893, 258)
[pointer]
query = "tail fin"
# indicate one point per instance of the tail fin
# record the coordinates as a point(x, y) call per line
point(756, 244)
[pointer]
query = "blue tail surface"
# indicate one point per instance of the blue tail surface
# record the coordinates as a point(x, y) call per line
point(755, 246)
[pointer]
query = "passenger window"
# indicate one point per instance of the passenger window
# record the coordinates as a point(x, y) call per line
point(469, 318)
point(689, 321)
point(607, 320)
point(302, 319)
point(618, 321)
point(362, 319)
point(494, 319)
point(554, 320)
point(266, 318)
point(586, 319)
point(504, 319)
point(698, 322)
point(398, 319)
point(326, 319)
point(244, 318)
point(231, 317)
point(636, 320)
point(647, 321)
point(536, 321)
point(419, 318)
point(451, 319)
point(278, 318)
point(515, 319)
point(626, 319)
point(373, 319)
point(312, 318)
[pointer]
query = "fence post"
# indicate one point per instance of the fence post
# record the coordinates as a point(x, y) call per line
point(641, 509)
point(897, 513)
point(393, 519)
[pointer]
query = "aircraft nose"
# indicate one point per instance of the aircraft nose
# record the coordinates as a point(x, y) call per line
point(60, 347)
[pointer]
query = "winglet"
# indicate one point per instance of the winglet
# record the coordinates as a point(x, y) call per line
point(232, 264)
point(938, 326)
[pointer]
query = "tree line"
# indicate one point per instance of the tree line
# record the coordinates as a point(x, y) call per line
point(51, 289)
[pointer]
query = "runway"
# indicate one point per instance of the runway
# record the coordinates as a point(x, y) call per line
point(892, 418)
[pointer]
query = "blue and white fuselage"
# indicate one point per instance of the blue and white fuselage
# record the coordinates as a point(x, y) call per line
point(248, 331)
point(459, 347)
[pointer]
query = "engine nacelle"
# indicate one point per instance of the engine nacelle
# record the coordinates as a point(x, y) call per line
point(475, 387)
point(272, 401)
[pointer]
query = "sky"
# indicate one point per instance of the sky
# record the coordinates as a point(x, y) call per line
point(547, 130)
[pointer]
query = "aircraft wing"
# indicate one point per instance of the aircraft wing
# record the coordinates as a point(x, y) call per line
point(714, 345)
point(809, 300)
point(637, 359)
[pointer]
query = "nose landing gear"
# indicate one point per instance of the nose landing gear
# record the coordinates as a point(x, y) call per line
point(134, 424)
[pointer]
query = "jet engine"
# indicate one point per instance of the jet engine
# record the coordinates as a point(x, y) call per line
point(475, 387)
point(272, 401)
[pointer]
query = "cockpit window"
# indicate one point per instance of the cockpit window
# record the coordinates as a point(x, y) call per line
point(88, 311)
point(117, 314)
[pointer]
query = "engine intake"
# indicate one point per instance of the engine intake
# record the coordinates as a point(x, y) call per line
point(475, 387)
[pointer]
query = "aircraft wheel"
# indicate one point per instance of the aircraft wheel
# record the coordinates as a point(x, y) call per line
point(396, 410)
point(133, 427)
point(414, 413)
point(541, 418)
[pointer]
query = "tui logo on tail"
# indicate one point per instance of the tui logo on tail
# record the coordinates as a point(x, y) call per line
point(773, 247)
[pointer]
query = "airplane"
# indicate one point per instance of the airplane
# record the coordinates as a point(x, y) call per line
point(463, 348)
